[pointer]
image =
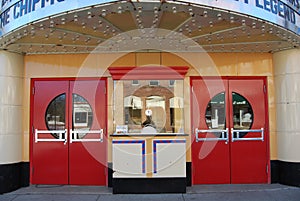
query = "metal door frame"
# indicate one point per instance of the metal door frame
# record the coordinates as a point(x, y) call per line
point(32, 130)
point(229, 139)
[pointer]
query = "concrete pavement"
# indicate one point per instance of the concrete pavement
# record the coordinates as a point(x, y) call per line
point(247, 192)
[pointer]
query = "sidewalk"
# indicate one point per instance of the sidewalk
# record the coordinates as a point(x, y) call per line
point(248, 192)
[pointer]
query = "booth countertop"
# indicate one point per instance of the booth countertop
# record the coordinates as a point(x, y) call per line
point(149, 134)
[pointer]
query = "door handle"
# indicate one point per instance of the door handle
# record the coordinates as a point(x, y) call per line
point(223, 137)
point(238, 138)
point(62, 136)
point(97, 133)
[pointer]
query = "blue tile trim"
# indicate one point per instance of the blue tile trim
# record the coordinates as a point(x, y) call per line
point(155, 142)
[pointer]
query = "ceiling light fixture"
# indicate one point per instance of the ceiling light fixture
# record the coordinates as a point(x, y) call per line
point(75, 18)
point(103, 14)
point(174, 10)
point(120, 9)
point(191, 12)
point(89, 13)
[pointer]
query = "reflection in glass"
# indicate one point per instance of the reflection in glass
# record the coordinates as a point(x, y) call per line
point(55, 114)
point(242, 113)
point(82, 115)
point(164, 101)
point(215, 112)
point(133, 108)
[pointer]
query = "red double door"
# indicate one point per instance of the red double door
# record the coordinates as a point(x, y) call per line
point(68, 143)
point(229, 121)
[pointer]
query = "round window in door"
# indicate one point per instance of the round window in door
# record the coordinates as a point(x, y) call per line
point(242, 113)
point(82, 115)
point(55, 114)
point(215, 112)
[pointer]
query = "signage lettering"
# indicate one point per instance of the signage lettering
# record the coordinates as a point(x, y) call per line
point(277, 7)
point(22, 8)
point(271, 10)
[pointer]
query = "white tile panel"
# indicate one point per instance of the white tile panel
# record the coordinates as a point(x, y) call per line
point(288, 146)
point(11, 120)
point(11, 64)
point(10, 148)
point(288, 116)
point(11, 90)
point(127, 157)
point(169, 158)
point(286, 62)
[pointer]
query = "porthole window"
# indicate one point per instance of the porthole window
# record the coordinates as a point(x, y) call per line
point(56, 113)
point(215, 115)
point(242, 113)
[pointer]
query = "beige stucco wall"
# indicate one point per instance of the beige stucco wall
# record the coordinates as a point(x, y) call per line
point(93, 65)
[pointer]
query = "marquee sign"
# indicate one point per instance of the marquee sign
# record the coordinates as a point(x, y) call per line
point(16, 13)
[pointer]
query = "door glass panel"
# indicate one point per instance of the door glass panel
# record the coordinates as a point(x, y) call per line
point(242, 113)
point(55, 114)
point(215, 112)
point(82, 115)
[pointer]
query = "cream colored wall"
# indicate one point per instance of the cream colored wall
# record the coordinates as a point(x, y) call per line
point(225, 64)
point(11, 89)
point(287, 81)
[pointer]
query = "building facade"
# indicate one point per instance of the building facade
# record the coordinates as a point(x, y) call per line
point(135, 95)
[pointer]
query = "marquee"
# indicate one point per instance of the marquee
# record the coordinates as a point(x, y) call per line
point(17, 13)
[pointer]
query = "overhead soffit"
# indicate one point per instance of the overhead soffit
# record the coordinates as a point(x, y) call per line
point(85, 30)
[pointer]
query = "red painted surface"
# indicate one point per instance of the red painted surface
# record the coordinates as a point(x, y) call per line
point(49, 159)
point(238, 161)
point(88, 159)
point(249, 159)
point(211, 162)
point(148, 72)
point(82, 163)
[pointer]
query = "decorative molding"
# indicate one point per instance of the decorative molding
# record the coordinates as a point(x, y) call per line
point(148, 73)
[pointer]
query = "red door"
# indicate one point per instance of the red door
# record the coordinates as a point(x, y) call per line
point(228, 119)
point(50, 149)
point(210, 149)
point(68, 145)
point(87, 149)
point(249, 158)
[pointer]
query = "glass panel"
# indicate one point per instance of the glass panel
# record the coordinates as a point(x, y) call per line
point(82, 115)
point(215, 112)
point(134, 103)
point(55, 114)
point(242, 113)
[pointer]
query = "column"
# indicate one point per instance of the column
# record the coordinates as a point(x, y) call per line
point(12, 169)
point(287, 84)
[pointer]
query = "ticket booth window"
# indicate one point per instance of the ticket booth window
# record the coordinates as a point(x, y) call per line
point(162, 100)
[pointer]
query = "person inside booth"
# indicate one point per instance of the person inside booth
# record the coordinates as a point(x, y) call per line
point(148, 126)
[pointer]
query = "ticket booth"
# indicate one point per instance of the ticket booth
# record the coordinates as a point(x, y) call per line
point(149, 142)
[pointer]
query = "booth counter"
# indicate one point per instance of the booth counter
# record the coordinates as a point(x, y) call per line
point(149, 163)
